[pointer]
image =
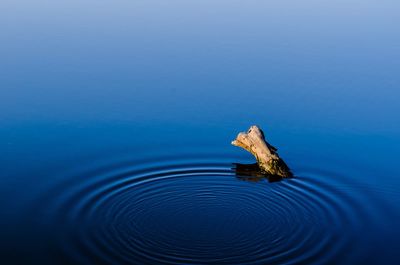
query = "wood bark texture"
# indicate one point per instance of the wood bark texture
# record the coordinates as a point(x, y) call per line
point(266, 155)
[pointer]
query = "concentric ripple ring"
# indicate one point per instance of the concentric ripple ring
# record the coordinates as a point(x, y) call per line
point(195, 211)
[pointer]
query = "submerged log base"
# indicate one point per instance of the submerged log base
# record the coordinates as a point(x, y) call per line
point(266, 155)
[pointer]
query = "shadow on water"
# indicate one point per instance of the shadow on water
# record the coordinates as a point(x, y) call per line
point(253, 173)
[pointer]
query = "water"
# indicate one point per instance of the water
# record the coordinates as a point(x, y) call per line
point(116, 120)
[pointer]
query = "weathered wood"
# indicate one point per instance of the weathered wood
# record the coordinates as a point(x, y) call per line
point(266, 155)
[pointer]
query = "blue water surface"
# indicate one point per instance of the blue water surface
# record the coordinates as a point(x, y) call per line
point(116, 119)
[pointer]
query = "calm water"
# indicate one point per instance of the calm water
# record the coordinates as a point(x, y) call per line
point(116, 119)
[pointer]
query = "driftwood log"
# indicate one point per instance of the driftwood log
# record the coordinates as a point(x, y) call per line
point(267, 157)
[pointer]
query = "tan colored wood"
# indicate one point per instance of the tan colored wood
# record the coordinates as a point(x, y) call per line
point(266, 155)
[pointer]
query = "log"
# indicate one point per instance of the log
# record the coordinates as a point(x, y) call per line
point(267, 157)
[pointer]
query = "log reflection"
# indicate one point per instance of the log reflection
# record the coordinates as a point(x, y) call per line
point(253, 173)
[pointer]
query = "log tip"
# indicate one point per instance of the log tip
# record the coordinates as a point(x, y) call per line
point(240, 138)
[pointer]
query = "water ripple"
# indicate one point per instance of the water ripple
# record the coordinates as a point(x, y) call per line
point(188, 210)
